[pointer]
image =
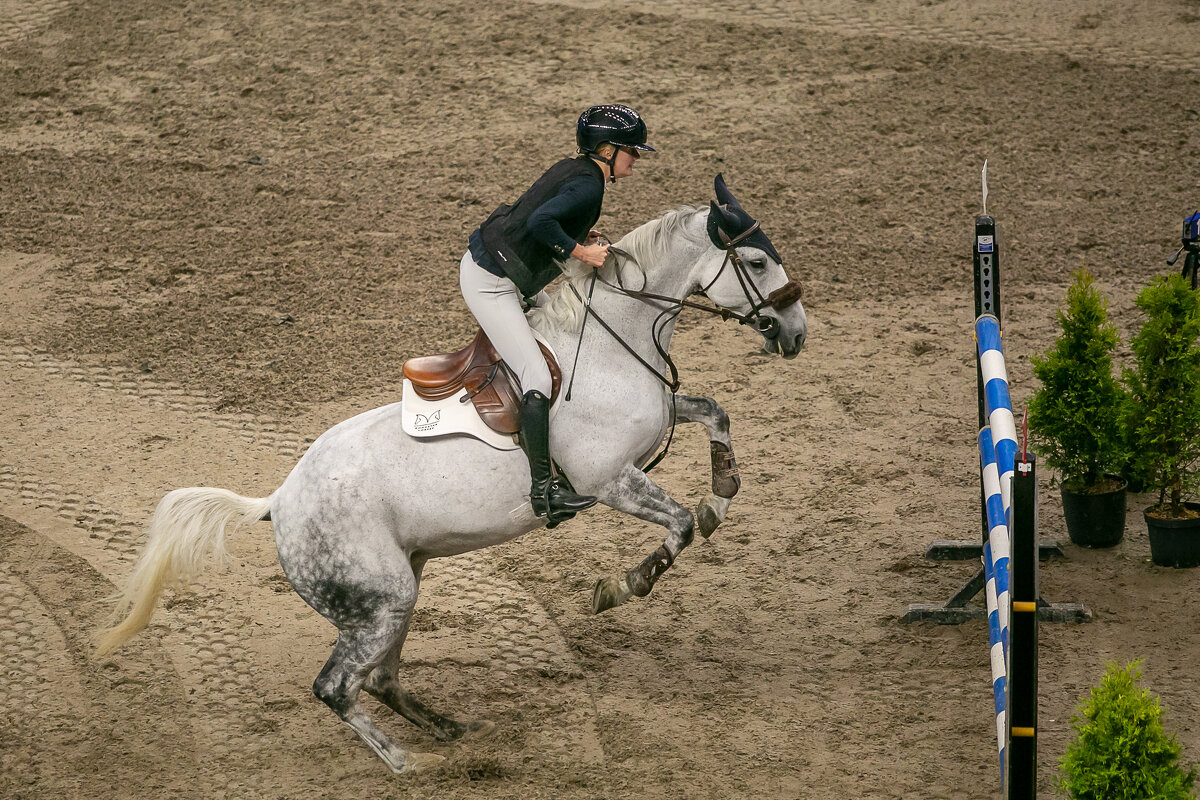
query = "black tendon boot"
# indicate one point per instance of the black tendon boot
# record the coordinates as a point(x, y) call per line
point(550, 499)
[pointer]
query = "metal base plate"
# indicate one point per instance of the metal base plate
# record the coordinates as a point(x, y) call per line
point(946, 550)
point(951, 615)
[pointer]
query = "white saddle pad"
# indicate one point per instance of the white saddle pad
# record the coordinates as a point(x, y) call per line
point(424, 419)
point(427, 418)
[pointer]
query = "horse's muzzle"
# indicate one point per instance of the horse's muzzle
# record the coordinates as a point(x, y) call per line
point(788, 346)
point(785, 296)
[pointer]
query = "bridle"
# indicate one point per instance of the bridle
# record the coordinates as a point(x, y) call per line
point(783, 297)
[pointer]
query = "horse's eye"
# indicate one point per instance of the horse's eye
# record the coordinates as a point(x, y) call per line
point(758, 264)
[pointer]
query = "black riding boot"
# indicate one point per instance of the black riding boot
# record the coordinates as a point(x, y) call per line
point(550, 499)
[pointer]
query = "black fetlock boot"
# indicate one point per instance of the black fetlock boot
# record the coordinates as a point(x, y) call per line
point(550, 499)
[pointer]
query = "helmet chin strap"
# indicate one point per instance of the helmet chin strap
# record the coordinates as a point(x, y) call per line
point(612, 163)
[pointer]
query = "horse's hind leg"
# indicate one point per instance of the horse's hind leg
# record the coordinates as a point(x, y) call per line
point(370, 624)
point(356, 653)
point(634, 493)
point(725, 481)
point(384, 684)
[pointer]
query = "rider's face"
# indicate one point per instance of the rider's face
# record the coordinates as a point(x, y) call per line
point(623, 167)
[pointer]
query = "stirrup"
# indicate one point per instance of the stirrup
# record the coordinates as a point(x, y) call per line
point(553, 518)
point(544, 507)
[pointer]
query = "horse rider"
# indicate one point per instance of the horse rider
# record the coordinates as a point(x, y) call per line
point(518, 250)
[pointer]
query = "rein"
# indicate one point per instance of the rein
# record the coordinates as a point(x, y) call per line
point(656, 331)
point(781, 298)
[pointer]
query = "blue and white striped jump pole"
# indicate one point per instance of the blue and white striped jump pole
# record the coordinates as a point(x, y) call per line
point(996, 562)
point(997, 405)
point(997, 448)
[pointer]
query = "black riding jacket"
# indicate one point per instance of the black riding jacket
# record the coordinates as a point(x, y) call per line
point(529, 239)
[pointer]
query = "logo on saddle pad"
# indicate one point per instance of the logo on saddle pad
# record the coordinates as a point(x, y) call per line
point(427, 423)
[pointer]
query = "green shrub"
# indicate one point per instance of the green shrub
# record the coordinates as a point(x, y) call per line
point(1164, 385)
point(1075, 416)
point(1121, 751)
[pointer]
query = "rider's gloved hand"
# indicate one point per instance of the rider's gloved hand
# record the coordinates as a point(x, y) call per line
point(593, 254)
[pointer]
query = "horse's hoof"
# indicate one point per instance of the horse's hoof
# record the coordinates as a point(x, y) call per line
point(479, 729)
point(706, 519)
point(710, 513)
point(419, 762)
point(608, 594)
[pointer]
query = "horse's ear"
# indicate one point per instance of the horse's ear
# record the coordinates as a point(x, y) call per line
point(722, 220)
point(724, 196)
point(729, 222)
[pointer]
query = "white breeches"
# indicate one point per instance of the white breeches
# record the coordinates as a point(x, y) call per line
point(496, 304)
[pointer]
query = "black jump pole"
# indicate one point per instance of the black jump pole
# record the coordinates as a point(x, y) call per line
point(987, 284)
point(1023, 633)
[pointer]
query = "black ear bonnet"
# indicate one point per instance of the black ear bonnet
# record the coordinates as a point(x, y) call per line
point(731, 219)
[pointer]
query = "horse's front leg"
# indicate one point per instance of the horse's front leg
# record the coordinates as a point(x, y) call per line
point(634, 493)
point(725, 481)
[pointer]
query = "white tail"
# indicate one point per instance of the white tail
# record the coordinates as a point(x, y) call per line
point(187, 526)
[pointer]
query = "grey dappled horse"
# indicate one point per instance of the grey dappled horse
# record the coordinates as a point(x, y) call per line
point(367, 506)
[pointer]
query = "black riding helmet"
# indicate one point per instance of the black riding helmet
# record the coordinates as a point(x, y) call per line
point(612, 124)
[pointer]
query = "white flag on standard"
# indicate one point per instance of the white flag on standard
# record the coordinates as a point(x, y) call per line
point(985, 186)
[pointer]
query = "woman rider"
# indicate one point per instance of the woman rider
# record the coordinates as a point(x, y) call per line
point(517, 252)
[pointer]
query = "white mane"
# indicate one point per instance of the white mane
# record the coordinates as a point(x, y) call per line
point(648, 244)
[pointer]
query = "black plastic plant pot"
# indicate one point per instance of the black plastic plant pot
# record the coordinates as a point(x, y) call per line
point(1095, 520)
point(1175, 542)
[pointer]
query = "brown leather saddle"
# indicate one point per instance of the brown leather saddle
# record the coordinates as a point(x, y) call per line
point(478, 369)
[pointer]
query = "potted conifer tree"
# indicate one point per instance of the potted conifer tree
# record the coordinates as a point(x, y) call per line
point(1164, 386)
point(1121, 751)
point(1075, 417)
